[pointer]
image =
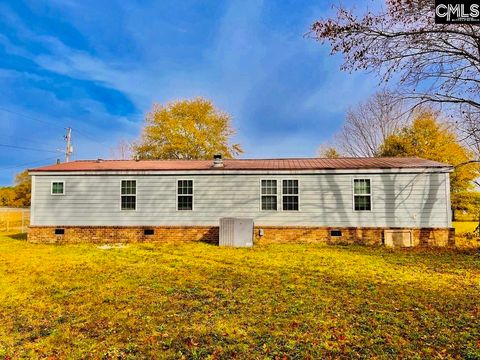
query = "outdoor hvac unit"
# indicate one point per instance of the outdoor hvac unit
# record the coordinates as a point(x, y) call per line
point(398, 238)
point(235, 232)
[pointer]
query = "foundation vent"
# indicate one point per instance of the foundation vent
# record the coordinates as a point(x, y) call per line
point(335, 232)
point(236, 232)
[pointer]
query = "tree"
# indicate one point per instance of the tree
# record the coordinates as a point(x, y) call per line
point(23, 189)
point(123, 150)
point(432, 63)
point(326, 151)
point(186, 129)
point(7, 196)
point(368, 125)
point(469, 130)
point(467, 201)
point(430, 139)
point(18, 195)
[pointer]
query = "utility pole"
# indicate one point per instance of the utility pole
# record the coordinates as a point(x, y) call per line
point(69, 148)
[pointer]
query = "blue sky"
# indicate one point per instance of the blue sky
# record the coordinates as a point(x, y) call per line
point(98, 66)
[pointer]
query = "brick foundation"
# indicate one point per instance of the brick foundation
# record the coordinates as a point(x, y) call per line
point(363, 236)
point(271, 234)
point(121, 234)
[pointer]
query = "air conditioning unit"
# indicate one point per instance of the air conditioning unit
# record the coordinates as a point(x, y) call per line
point(236, 232)
point(398, 238)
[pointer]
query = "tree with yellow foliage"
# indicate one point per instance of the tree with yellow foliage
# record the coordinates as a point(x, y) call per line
point(23, 189)
point(327, 151)
point(186, 129)
point(18, 195)
point(7, 196)
point(428, 138)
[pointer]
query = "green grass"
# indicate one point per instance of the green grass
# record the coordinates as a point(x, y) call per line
point(465, 236)
point(200, 301)
point(462, 227)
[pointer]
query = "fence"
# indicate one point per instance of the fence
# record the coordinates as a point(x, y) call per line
point(14, 220)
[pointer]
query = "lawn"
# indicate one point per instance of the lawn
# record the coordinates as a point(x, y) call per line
point(462, 227)
point(200, 301)
point(466, 237)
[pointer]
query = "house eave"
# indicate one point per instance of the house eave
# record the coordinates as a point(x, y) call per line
point(223, 172)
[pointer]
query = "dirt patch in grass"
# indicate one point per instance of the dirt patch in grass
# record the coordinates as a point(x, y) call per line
point(202, 301)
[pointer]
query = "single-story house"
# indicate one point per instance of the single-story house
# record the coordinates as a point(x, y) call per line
point(364, 200)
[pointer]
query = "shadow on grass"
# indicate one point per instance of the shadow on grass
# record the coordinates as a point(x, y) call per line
point(19, 236)
point(432, 257)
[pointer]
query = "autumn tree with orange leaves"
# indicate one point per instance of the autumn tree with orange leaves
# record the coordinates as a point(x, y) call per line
point(429, 138)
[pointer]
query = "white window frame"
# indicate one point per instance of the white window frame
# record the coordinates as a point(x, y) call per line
point(353, 193)
point(282, 194)
point(177, 194)
point(260, 192)
point(136, 192)
point(51, 187)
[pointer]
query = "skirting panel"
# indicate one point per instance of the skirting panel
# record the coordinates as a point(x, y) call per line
point(210, 234)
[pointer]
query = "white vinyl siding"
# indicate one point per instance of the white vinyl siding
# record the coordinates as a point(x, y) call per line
point(400, 200)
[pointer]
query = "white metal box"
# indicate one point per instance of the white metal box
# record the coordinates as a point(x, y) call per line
point(236, 232)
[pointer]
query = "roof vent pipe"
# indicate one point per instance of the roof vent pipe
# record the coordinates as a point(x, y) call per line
point(217, 161)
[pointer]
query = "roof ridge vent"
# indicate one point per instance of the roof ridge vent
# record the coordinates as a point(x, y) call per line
point(217, 161)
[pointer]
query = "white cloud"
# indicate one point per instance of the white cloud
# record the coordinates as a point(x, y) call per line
point(244, 55)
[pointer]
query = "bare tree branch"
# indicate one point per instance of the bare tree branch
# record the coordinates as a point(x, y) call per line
point(404, 40)
point(368, 125)
point(432, 63)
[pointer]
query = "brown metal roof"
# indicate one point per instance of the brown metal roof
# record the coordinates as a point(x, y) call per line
point(245, 164)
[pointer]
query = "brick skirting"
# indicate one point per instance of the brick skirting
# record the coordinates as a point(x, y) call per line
point(363, 236)
point(271, 234)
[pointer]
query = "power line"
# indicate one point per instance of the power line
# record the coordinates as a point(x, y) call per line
point(29, 117)
point(86, 135)
point(20, 138)
point(91, 137)
point(81, 132)
point(27, 148)
point(29, 163)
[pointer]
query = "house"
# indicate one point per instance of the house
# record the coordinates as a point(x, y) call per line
point(364, 200)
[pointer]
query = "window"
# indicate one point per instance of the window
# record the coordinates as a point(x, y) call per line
point(362, 195)
point(185, 195)
point(269, 194)
point(58, 188)
point(290, 195)
point(59, 231)
point(148, 232)
point(129, 195)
